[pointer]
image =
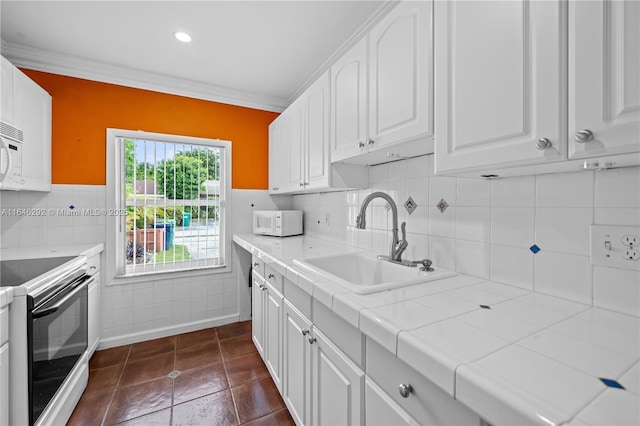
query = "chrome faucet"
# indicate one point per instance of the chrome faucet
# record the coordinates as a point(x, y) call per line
point(397, 246)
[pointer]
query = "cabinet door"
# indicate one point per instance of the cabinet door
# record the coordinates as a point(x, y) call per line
point(338, 385)
point(349, 103)
point(604, 89)
point(272, 333)
point(275, 141)
point(400, 75)
point(499, 83)
point(294, 178)
point(382, 410)
point(296, 373)
point(32, 114)
point(4, 384)
point(94, 313)
point(316, 155)
point(6, 90)
point(257, 313)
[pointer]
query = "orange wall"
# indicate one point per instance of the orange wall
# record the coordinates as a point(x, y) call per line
point(83, 110)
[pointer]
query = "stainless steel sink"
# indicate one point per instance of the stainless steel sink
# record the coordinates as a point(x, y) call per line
point(363, 273)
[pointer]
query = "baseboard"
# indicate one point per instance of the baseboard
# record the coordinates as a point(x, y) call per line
point(156, 333)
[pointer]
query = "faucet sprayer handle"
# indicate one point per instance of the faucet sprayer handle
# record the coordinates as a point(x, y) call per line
point(426, 264)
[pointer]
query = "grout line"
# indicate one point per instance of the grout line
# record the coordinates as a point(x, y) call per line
point(115, 389)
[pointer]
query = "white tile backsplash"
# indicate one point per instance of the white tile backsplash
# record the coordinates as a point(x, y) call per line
point(490, 226)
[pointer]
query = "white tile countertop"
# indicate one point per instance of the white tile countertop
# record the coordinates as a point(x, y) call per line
point(512, 355)
point(51, 251)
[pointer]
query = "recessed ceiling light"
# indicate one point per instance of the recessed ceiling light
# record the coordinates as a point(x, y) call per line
point(184, 37)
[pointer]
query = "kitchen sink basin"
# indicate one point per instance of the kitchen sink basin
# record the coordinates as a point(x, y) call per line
point(363, 273)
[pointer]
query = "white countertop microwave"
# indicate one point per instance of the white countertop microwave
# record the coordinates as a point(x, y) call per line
point(278, 223)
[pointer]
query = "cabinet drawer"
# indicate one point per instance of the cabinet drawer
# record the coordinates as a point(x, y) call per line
point(93, 264)
point(345, 336)
point(427, 403)
point(257, 265)
point(274, 277)
point(298, 297)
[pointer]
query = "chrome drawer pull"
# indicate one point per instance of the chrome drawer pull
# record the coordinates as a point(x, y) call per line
point(405, 390)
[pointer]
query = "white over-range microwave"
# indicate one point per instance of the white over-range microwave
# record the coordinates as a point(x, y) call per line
point(278, 223)
point(11, 140)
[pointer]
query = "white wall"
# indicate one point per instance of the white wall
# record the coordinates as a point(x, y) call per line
point(148, 309)
point(490, 225)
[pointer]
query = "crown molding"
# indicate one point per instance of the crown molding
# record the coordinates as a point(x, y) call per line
point(72, 66)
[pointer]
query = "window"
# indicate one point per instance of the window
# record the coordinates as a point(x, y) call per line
point(168, 195)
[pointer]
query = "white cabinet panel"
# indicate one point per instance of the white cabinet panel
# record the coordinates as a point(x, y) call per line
point(381, 410)
point(400, 85)
point(257, 313)
point(349, 102)
point(317, 134)
point(6, 89)
point(93, 315)
point(604, 90)
point(296, 386)
point(26, 107)
point(4, 384)
point(273, 333)
point(338, 385)
point(498, 91)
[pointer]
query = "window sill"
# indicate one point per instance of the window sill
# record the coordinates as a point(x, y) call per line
point(167, 275)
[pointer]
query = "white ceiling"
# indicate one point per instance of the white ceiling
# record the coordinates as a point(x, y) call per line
point(252, 53)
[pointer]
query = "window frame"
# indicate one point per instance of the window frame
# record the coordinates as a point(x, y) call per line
point(116, 200)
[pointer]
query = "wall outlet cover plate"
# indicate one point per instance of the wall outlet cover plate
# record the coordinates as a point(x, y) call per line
point(615, 246)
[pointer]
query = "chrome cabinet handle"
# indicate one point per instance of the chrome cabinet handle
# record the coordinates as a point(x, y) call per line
point(583, 136)
point(301, 183)
point(312, 340)
point(543, 143)
point(405, 390)
point(360, 144)
point(270, 276)
point(305, 332)
point(370, 141)
point(256, 264)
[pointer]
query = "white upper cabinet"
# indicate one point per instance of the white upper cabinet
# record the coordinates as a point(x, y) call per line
point(316, 138)
point(552, 84)
point(400, 75)
point(25, 132)
point(604, 89)
point(349, 102)
point(299, 143)
point(500, 92)
point(382, 90)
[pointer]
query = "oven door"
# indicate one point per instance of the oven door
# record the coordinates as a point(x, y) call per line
point(57, 340)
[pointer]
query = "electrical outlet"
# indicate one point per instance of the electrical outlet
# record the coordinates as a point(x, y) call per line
point(631, 254)
point(615, 246)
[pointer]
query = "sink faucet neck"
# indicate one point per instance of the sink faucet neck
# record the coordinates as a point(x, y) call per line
point(397, 246)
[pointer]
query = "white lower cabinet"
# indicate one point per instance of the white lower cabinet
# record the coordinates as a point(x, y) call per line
point(296, 373)
point(257, 312)
point(317, 361)
point(4, 366)
point(273, 332)
point(93, 315)
point(381, 409)
point(267, 325)
point(419, 398)
point(337, 385)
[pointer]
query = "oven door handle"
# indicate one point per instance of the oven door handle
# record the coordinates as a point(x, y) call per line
point(48, 310)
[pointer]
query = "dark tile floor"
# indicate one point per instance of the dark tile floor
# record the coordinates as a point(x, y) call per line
point(208, 377)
